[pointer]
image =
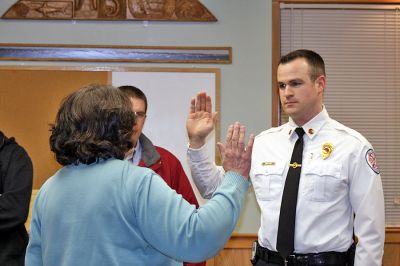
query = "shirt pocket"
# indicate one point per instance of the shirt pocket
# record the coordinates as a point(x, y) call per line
point(322, 182)
point(268, 181)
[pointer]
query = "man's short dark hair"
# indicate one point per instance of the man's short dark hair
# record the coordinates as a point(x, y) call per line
point(314, 60)
point(92, 124)
point(134, 92)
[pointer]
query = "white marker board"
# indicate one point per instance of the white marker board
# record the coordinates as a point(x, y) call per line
point(168, 93)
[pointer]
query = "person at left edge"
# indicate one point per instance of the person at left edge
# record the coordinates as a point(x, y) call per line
point(160, 160)
point(16, 174)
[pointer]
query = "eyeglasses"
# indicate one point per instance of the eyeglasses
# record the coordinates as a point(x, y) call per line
point(140, 115)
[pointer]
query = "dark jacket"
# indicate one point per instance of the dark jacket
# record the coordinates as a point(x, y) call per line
point(16, 176)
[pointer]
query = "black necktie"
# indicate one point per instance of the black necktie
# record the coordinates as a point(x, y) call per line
point(287, 217)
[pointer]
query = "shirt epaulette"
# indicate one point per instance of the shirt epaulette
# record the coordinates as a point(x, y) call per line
point(270, 130)
point(351, 132)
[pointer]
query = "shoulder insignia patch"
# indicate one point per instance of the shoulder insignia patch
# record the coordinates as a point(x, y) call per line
point(370, 157)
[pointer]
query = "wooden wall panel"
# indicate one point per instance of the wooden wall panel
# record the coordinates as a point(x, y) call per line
point(392, 246)
point(237, 251)
point(28, 104)
point(231, 257)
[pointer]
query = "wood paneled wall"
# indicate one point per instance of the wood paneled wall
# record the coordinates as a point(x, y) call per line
point(392, 246)
point(237, 251)
point(28, 104)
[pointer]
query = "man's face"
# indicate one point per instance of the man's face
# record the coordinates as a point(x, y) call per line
point(139, 107)
point(300, 97)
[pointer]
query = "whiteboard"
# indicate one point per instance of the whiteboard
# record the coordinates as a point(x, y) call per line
point(168, 93)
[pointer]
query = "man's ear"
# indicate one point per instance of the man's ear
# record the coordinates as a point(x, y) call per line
point(320, 83)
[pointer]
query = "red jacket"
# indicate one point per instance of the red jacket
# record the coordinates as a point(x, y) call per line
point(166, 165)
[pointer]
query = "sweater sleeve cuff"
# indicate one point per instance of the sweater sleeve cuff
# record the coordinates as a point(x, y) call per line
point(238, 180)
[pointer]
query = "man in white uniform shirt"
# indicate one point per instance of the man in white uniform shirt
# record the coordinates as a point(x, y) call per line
point(340, 188)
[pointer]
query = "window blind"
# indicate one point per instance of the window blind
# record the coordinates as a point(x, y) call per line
point(360, 47)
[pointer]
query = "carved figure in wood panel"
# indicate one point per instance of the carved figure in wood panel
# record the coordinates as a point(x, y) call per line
point(161, 9)
point(85, 8)
point(169, 9)
point(179, 10)
point(112, 9)
point(41, 10)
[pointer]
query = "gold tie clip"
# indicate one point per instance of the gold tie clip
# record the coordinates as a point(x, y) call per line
point(295, 165)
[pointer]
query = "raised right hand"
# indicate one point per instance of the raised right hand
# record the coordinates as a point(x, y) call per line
point(201, 120)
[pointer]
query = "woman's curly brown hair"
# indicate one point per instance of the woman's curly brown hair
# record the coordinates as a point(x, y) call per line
point(94, 123)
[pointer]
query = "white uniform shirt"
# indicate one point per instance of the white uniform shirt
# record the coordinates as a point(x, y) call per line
point(347, 181)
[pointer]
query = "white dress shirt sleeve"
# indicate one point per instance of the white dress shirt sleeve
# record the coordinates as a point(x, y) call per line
point(366, 197)
point(206, 175)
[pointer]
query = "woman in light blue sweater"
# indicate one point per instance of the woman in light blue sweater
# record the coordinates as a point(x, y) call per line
point(101, 210)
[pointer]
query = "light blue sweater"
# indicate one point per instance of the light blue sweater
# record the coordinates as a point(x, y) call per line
point(113, 213)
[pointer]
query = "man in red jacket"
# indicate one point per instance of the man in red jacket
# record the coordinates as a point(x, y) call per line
point(163, 162)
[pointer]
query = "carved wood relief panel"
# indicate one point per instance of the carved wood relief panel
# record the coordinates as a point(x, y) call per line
point(175, 10)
